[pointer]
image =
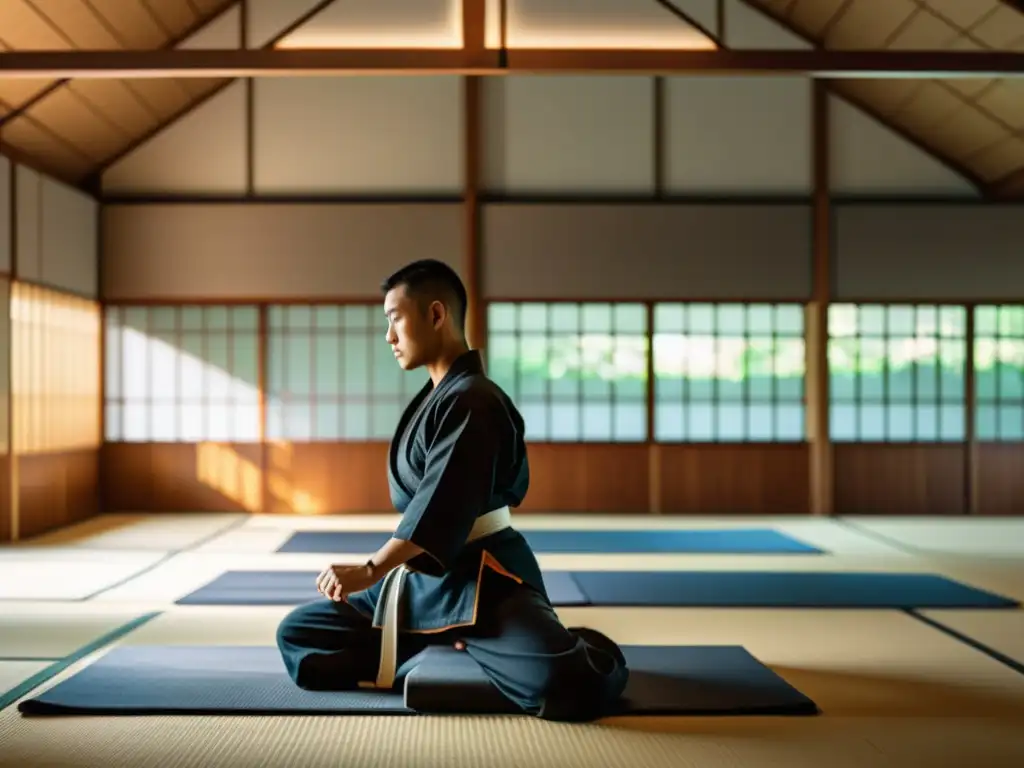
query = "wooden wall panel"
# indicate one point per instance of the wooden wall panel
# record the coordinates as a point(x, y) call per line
point(126, 478)
point(56, 490)
point(321, 478)
point(733, 479)
point(317, 478)
point(324, 478)
point(999, 479)
point(172, 477)
point(595, 478)
point(885, 479)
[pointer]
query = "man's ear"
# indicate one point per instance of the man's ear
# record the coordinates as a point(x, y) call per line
point(438, 313)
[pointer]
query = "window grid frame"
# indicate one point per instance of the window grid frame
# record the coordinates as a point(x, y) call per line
point(885, 401)
point(287, 329)
point(649, 400)
point(179, 333)
point(714, 399)
point(996, 402)
point(579, 400)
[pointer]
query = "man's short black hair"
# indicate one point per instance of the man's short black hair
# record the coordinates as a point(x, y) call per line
point(429, 280)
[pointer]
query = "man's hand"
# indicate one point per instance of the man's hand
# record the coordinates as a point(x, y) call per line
point(339, 581)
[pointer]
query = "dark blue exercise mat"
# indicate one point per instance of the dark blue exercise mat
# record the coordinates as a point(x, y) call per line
point(663, 680)
point(232, 680)
point(297, 587)
point(778, 589)
point(190, 680)
point(256, 588)
point(733, 541)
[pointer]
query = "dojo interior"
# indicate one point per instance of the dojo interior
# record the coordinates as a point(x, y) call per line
point(766, 331)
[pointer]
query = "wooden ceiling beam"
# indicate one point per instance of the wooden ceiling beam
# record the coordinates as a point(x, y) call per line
point(827, 64)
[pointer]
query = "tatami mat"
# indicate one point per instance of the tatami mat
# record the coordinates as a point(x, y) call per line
point(210, 625)
point(996, 574)
point(13, 674)
point(456, 742)
point(887, 685)
point(66, 575)
point(25, 554)
point(162, 532)
point(895, 691)
point(51, 630)
point(849, 662)
point(1002, 631)
point(976, 536)
point(188, 571)
point(248, 540)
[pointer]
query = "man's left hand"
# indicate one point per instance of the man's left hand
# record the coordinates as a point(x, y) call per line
point(339, 581)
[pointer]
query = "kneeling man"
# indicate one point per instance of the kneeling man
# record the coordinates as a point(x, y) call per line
point(455, 570)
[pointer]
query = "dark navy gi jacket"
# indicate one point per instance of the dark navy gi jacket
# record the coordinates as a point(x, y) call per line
point(459, 451)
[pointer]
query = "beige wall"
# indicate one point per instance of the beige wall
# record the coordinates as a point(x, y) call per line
point(56, 234)
point(233, 251)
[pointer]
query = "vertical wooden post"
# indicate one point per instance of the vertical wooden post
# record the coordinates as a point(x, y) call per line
point(658, 140)
point(821, 456)
point(654, 455)
point(250, 106)
point(14, 476)
point(970, 426)
point(9, 507)
point(476, 322)
point(473, 25)
point(261, 388)
point(101, 505)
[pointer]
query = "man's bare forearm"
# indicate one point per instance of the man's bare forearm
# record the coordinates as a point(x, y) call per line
point(394, 553)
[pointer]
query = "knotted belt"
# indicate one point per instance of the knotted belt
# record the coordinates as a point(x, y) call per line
point(391, 593)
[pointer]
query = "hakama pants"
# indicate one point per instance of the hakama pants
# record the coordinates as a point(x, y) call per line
point(543, 667)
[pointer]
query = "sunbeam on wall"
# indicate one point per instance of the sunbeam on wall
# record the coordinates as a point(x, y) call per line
point(283, 493)
point(178, 374)
point(191, 375)
point(55, 371)
point(222, 469)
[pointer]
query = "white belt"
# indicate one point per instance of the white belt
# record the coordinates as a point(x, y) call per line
point(391, 593)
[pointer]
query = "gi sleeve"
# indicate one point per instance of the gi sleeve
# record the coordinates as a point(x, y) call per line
point(458, 480)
